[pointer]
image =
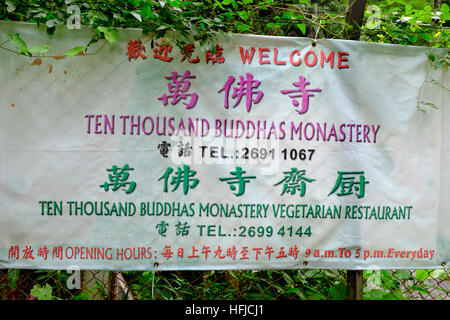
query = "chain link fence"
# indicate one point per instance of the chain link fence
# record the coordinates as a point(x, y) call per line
point(305, 284)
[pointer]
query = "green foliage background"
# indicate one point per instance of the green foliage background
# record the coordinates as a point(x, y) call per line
point(418, 22)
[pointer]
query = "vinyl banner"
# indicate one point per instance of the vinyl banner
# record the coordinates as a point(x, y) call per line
point(253, 152)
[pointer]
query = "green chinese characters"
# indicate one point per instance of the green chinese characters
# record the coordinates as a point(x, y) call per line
point(184, 178)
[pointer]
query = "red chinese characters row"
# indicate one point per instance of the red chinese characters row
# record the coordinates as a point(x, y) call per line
point(162, 51)
point(233, 253)
point(311, 58)
point(204, 252)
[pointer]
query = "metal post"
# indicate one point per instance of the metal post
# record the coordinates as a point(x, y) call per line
point(354, 18)
point(113, 288)
point(354, 285)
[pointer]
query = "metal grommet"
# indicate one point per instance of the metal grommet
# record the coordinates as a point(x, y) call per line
point(314, 44)
point(305, 263)
point(156, 265)
point(443, 264)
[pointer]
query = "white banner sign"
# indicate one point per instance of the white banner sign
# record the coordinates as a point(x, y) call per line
point(259, 153)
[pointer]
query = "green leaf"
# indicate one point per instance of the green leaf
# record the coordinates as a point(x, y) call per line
point(243, 15)
point(21, 46)
point(445, 12)
point(288, 278)
point(136, 15)
point(426, 36)
point(74, 51)
point(421, 275)
point(374, 294)
point(412, 38)
point(444, 8)
point(287, 15)
point(13, 276)
point(438, 273)
point(339, 291)
point(302, 27)
point(396, 295)
point(402, 274)
point(317, 296)
point(292, 290)
point(118, 17)
point(162, 27)
point(111, 35)
point(242, 26)
point(439, 64)
point(42, 293)
point(408, 8)
point(40, 49)
point(419, 289)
